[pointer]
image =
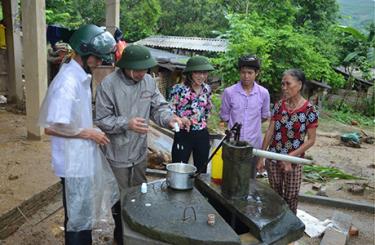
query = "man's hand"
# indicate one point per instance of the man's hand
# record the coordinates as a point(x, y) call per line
point(94, 134)
point(138, 125)
point(260, 165)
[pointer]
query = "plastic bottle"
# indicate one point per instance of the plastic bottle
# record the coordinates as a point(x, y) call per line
point(217, 168)
point(176, 127)
point(144, 188)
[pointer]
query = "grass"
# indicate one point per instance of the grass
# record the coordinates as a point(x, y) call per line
point(316, 173)
point(349, 117)
point(214, 118)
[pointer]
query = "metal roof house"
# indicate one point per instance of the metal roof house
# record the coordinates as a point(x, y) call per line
point(186, 43)
point(169, 60)
point(360, 82)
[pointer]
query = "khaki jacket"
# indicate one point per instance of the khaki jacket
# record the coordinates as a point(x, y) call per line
point(119, 99)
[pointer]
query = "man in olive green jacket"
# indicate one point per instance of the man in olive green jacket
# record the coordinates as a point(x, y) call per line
point(125, 101)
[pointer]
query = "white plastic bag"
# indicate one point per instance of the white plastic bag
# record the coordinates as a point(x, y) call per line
point(90, 186)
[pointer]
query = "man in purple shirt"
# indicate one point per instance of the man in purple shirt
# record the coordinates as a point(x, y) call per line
point(247, 102)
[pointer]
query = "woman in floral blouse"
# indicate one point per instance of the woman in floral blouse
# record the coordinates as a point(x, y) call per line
point(192, 101)
point(292, 119)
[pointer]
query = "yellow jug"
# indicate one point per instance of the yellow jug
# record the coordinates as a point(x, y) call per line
point(2, 36)
point(217, 168)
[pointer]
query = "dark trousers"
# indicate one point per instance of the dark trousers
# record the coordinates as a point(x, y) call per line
point(286, 184)
point(194, 141)
point(74, 238)
point(126, 177)
point(117, 232)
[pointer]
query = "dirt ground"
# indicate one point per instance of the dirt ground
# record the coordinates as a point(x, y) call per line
point(25, 170)
point(24, 165)
point(329, 151)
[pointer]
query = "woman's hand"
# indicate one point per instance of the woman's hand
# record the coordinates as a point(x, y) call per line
point(260, 165)
point(186, 122)
point(183, 123)
point(287, 166)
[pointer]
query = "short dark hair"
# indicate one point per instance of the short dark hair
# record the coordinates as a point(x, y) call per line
point(250, 61)
point(297, 74)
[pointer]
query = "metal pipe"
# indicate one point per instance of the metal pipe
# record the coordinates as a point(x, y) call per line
point(282, 157)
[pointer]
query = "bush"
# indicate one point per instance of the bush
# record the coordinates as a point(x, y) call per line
point(349, 115)
point(214, 118)
point(279, 47)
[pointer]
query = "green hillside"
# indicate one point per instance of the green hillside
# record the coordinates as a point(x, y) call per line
point(357, 13)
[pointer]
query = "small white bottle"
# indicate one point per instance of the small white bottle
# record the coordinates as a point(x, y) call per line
point(144, 188)
point(176, 127)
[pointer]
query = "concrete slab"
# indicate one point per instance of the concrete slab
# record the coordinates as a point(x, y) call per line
point(338, 203)
point(265, 213)
point(176, 217)
point(333, 237)
point(135, 238)
point(342, 221)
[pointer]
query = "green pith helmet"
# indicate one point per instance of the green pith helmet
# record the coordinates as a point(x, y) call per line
point(136, 57)
point(198, 63)
point(93, 40)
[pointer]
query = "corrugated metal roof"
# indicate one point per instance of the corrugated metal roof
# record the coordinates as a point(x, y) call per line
point(320, 84)
point(357, 75)
point(187, 43)
point(163, 56)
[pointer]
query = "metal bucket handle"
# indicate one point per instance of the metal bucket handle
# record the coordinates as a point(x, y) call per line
point(184, 218)
point(164, 185)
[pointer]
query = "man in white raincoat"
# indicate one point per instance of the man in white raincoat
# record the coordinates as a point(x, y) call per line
point(66, 115)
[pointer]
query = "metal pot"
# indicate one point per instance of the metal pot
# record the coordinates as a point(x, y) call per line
point(180, 176)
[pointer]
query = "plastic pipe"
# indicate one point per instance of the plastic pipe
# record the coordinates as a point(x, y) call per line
point(282, 157)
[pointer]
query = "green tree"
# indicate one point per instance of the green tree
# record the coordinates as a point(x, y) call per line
point(73, 13)
point(191, 18)
point(91, 11)
point(62, 12)
point(279, 12)
point(317, 15)
point(279, 48)
point(139, 19)
point(358, 53)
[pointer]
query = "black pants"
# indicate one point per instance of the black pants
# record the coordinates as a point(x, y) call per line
point(126, 178)
point(74, 238)
point(194, 141)
point(117, 232)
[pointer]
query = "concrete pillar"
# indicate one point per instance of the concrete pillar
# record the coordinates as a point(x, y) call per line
point(112, 15)
point(35, 61)
point(14, 51)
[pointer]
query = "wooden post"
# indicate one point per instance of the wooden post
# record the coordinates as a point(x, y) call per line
point(112, 16)
point(14, 50)
point(35, 59)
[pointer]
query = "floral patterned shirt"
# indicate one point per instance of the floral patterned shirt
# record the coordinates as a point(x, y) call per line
point(291, 126)
point(196, 107)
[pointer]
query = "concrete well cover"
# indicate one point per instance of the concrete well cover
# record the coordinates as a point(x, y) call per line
point(158, 214)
